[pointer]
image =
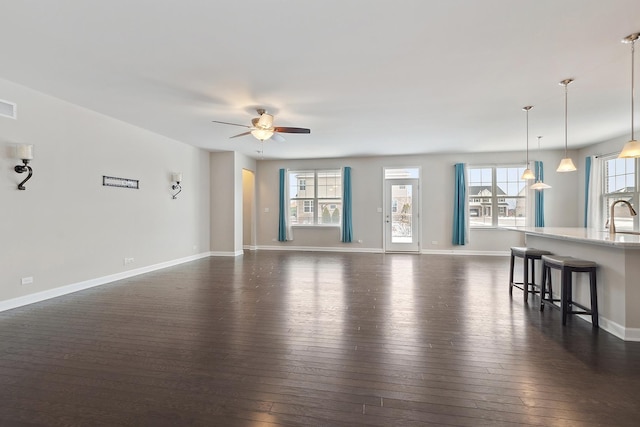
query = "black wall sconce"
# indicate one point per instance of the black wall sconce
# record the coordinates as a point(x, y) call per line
point(25, 153)
point(177, 178)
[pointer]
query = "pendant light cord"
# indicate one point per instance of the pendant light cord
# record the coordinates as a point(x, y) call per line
point(633, 44)
point(527, 110)
point(566, 96)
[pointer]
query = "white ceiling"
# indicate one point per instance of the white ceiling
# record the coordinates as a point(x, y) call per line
point(370, 77)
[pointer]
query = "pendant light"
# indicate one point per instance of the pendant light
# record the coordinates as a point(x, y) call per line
point(632, 148)
point(528, 173)
point(539, 185)
point(566, 164)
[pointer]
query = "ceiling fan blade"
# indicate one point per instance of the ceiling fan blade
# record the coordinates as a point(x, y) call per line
point(291, 130)
point(277, 137)
point(232, 124)
point(240, 134)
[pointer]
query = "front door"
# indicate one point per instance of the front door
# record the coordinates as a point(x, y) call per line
point(401, 215)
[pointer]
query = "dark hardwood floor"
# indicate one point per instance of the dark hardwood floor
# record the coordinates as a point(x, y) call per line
point(283, 338)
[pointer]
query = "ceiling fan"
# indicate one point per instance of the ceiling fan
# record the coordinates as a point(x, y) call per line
point(262, 127)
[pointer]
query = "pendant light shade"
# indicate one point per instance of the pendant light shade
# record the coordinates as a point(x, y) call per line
point(528, 173)
point(632, 148)
point(539, 185)
point(566, 164)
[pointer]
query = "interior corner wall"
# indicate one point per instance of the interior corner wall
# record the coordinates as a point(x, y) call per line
point(227, 201)
point(223, 205)
point(66, 227)
point(241, 163)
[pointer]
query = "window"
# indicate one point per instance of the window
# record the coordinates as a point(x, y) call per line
point(497, 190)
point(308, 206)
point(315, 197)
point(620, 183)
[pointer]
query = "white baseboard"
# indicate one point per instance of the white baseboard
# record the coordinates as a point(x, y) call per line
point(319, 249)
point(463, 252)
point(226, 253)
point(86, 284)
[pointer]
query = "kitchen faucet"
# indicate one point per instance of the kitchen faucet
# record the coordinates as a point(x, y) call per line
point(612, 218)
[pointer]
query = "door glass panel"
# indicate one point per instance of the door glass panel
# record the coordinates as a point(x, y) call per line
point(401, 214)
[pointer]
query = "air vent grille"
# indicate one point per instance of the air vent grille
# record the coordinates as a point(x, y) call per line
point(8, 109)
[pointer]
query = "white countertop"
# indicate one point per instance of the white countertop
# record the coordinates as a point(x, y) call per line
point(583, 235)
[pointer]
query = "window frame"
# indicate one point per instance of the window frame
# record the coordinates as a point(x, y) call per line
point(632, 197)
point(497, 202)
point(316, 200)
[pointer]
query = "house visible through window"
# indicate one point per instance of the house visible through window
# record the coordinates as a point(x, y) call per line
point(497, 196)
point(620, 183)
point(315, 197)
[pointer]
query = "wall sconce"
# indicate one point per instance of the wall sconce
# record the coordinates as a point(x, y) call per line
point(177, 178)
point(25, 153)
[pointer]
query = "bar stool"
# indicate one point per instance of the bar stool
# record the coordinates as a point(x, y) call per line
point(529, 256)
point(567, 266)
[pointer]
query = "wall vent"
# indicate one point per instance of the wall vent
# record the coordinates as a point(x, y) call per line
point(8, 109)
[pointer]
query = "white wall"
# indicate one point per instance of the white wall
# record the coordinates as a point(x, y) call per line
point(561, 202)
point(66, 227)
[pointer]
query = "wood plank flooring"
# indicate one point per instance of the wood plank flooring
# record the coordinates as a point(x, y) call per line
point(319, 339)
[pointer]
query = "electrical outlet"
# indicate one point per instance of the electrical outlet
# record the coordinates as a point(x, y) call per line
point(128, 261)
point(359, 240)
point(27, 280)
point(434, 242)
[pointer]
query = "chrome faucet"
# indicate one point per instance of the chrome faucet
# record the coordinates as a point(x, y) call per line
point(612, 218)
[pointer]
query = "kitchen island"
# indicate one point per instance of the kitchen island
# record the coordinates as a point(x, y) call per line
point(618, 275)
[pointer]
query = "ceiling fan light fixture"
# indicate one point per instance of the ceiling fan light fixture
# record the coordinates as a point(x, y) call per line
point(262, 134)
point(632, 148)
point(265, 121)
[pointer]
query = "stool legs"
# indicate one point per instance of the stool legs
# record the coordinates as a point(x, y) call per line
point(594, 299)
point(511, 274)
point(565, 291)
point(525, 282)
point(566, 304)
point(529, 276)
point(544, 290)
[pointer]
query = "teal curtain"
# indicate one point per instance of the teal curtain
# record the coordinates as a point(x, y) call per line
point(347, 224)
point(460, 235)
point(587, 177)
point(539, 197)
point(282, 208)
